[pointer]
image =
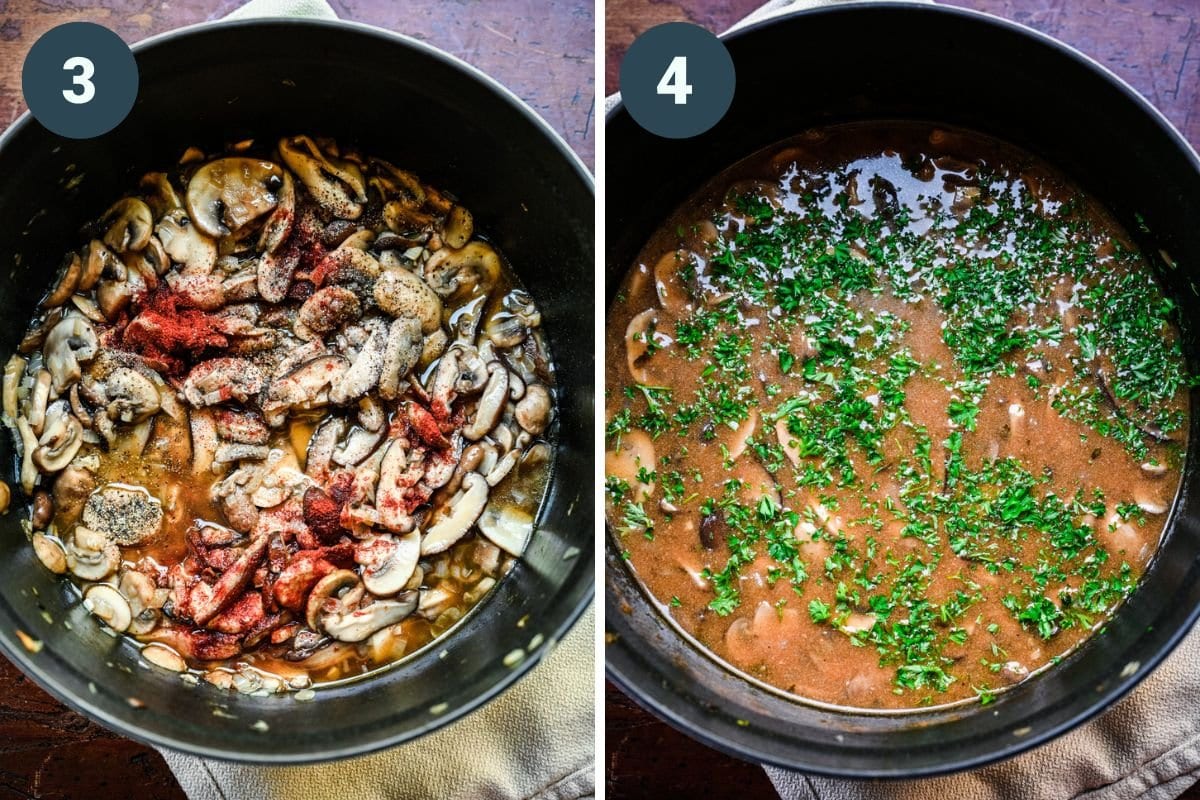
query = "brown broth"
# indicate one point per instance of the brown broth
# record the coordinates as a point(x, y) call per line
point(710, 279)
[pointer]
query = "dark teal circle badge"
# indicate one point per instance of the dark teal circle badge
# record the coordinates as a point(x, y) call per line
point(677, 80)
point(80, 80)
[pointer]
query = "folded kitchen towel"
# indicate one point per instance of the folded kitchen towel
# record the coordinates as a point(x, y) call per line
point(1147, 746)
point(535, 741)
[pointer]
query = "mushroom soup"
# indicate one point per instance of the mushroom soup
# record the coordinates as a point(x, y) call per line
point(283, 416)
point(895, 416)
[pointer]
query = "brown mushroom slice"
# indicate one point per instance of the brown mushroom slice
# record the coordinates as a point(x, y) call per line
point(337, 185)
point(72, 488)
point(97, 261)
point(185, 243)
point(132, 397)
point(61, 439)
point(400, 355)
point(401, 293)
point(636, 451)
point(160, 194)
point(389, 562)
point(66, 282)
point(226, 194)
point(279, 225)
point(91, 556)
point(458, 515)
point(127, 225)
point(328, 309)
point(670, 285)
point(534, 409)
point(737, 440)
point(39, 400)
point(127, 515)
point(468, 269)
point(29, 443)
point(789, 443)
point(508, 527)
point(50, 552)
point(363, 373)
point(459, 227)
point(106, 604)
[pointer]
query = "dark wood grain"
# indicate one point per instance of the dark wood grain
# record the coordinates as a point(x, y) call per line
point(1152, 44)
point(540, 49)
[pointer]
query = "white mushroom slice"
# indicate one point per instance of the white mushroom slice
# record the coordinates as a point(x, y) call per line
point(334, 606)
point(508, 527)
point(107, 605)
point(127, 515)
point(131, 396)
point(220, 380)
point(491, 403)
point(186, 244)
point(237, 451)
point(451, 272)
point(395, 476)
point(328, 309)
point(401, 293)
point(69, 342)
point(203, 428)
point(459, 515)
point(335, 184)
point(61, 439)
point(140, 591)
point(305, 388)
point(39, 399)
point(29, 443)
point(459, 227)
point(227, 193)
point(502, 467)
point(363, 374)
point(639, 335)
point(127, 225)
point(636, 452)
point(279, 225)
point(533, 410)
point(162, 656)
point(358, 445)
point(388, 562)
point(322, 446)
point(90, 556)
point(50, 552)
point(14, 370)
point(400, 355)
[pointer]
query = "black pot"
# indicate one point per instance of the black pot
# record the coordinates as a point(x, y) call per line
point(461, 131)
point(893, 60)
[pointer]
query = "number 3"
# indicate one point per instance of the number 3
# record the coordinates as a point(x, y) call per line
point(85, 90)
point(674, 81)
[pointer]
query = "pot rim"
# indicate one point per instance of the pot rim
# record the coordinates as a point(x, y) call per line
point(649, 689)
point(24, 660)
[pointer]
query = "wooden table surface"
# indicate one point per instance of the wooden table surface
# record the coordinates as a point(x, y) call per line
point(541, 49)
point(1147, 42)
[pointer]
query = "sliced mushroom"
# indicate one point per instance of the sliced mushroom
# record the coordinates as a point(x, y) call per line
point(60, 440)
point(335, 607)
point(363, 373)
point(140, 591)
point(305, 388)
point(131, 396)
point(127, 225)
point(72, 488)
point(66, 282)
point(533, 410)
point(459, 227)
point(186, 244)
point(491, 403)
point(328, 309)
point(400, 355)
point(39, 400)
point(635, 453)
point(98, 261)
point(401, 293)
point(638, 336)
point(459, 515)
point(91, 556)
point(69, 342)
point(160, 194)
point(508, 527)
point(279, 225)
point(14, 370)
point(107, 605)
point(50, 553)
point(29, 443)
point(226, 194)
point(388, 562)
point(452, 272)
point(335, 184)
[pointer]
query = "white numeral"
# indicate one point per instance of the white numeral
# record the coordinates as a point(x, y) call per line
point(85, 90)
point(674, 81)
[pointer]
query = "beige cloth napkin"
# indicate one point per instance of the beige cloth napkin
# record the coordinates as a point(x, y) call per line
point(1147, 746)
point(535, 741)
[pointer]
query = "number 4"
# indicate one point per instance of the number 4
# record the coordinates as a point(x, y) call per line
point(85, 90)
point(674, 81)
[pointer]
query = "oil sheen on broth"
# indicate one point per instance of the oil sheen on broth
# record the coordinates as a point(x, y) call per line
point(895, 416)
point(283, 416)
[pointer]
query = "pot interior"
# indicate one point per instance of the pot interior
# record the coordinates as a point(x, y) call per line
point(218, 84)
point(843, 64)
